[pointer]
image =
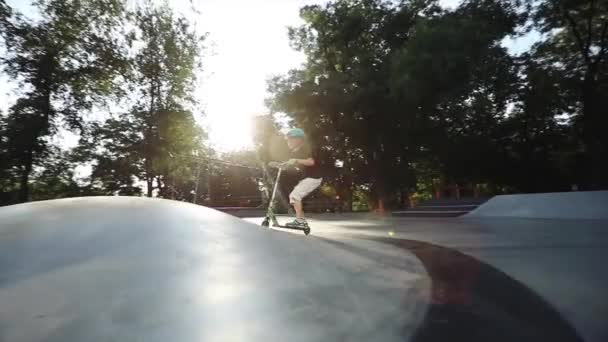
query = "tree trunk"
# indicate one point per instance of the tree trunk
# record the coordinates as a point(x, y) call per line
point(24, 186)
point(349, 197)
point(345, 193)
point(594, 130)
point(161, 190)
point(41, 128)
point(380, 193)
point(148, 136)
point(404, 198)
point(150, 185)
point(381, 209)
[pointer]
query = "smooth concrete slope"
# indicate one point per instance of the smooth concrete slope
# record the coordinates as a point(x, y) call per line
point(561, 205)
point(542, 278)
point(134, 269)
point(556, 243)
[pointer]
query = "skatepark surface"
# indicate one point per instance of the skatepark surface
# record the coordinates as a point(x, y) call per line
point(136, 269)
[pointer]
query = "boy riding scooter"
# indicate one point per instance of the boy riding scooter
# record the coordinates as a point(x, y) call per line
point(301, 159)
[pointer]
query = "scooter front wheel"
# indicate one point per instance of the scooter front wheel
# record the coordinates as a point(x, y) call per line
point(266, 223)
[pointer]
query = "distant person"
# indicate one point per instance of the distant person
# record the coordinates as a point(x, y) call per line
point(307, 172)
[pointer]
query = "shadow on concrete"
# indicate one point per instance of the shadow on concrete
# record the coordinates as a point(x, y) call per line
point(472, 301)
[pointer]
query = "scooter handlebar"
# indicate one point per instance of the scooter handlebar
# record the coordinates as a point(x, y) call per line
point(278, 165)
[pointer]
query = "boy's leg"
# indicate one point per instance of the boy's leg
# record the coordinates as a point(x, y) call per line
point(299, 208)
point(303, 189)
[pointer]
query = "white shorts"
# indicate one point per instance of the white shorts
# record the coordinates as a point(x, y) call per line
point(304, 188)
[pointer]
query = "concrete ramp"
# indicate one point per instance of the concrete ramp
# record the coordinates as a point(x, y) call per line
point(136, 269)
point(560, 205)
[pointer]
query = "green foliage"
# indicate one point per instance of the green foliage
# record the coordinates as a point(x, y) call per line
point(387, 85)
point(55, 178)
point(361, 200)
point(65, 62)
point(233, 185)
point(401, 94)
point(114, 148)
point(5, 13)
point(8, 182)
point(155, 145)
point(406, 93)
point(576, 47)
point(83, 53)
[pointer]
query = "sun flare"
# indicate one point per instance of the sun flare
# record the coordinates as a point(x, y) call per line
point(231, 132)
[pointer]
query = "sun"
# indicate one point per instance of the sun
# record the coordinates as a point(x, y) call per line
point(231, 132)
point(231, 103)
point(235, 71)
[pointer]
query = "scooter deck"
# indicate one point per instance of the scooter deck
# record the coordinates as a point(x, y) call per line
point(267, 221)
point(306, 231)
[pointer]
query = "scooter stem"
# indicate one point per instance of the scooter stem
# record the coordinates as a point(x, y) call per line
point(274, 191)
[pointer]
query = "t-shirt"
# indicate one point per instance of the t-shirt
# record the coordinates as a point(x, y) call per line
point(305, 152)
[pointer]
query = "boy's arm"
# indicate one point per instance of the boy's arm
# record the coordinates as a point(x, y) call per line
point(306, 162)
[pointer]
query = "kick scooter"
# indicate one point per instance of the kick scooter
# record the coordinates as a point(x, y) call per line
point(270, 214)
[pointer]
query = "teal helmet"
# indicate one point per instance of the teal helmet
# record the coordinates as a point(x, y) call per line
point(296, 133)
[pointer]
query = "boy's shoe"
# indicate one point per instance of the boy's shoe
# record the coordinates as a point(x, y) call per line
point(299, 223)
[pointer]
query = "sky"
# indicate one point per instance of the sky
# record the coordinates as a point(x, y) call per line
point(247, 44)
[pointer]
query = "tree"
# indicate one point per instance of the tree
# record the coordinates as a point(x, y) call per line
point(340, 96)
point(576, 46)
point(451, 83)
point(114, 151)
point(387, 85)
point(24, 133)
point(8, 184)
point(117, 150)
point(5, 13)
point(234, 180)
point(67, 61)
point(164, 76)
point(158, 140)
point(56, 177)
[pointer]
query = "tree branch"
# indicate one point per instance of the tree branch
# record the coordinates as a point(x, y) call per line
point(589, 25)
point(603, 42)
point(577, 36)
